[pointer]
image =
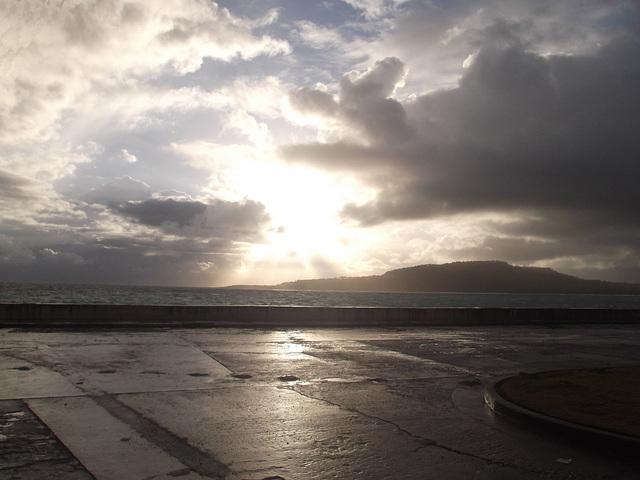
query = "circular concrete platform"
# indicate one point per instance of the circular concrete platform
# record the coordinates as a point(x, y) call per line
point(575, 403)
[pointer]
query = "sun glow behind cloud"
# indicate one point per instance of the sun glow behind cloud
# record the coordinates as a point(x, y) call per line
point(303, 205)
point(203, 143)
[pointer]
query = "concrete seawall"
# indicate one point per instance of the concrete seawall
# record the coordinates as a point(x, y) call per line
point(83, 315)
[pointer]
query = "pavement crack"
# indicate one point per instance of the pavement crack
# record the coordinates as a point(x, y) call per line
point(423, 442)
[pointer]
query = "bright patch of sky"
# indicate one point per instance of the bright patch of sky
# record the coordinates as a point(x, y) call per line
point(191, 142)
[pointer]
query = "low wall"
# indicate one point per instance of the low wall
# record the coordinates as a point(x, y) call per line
point(82, 315)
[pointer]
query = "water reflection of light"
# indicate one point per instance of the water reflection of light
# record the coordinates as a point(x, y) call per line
point(293, 348)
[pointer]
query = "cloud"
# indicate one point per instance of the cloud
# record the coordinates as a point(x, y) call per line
point(238, 221)
point(45, 161)
point(121, 189)
point(12, 252)
point(176, 213)
point(161, 212)
point(260, 96)
point(247, 125)
point(17, 187)
point(144, 139)
point(128, 157)
point(318, 36)
point(149, 242)
point(123, 260)
point(314, 101)
point(58, 53)
point(549, 138)
point(520, 131)
point(448, 32)
point(84, 85)
point(375, 8)
point(364, 103)
point(26, 203)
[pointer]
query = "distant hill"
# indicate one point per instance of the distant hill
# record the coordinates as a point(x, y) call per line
point(479, 277)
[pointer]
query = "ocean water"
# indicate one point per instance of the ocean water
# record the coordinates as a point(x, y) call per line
point(135, 295)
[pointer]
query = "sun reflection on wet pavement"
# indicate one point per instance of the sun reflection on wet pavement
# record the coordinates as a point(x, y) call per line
point(316, 404)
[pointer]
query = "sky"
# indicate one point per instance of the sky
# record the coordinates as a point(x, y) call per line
point(201, 143)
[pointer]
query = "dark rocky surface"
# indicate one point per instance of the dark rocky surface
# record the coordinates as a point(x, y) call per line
point(29, 450)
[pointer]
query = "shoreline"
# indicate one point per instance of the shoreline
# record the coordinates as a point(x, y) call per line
point(36, 315)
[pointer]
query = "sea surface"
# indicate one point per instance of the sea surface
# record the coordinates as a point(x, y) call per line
point(136, 295)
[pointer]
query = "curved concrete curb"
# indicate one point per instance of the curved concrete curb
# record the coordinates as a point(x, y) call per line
point(603, 439)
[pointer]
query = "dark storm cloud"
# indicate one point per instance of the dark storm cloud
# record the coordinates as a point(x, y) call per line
point(157, 212)
point(243, 220)
point(155, 241)
point(365, 102)
point(122, 260)
point(525, 132)
point(521, 132)
point(124, 234)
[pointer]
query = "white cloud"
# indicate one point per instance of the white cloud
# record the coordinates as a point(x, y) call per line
point(128, 157)
point(46, 161)
point(260, 96)
point(29, 202)
point(256, 132)
point(319, 36)
point(120, 190)
point(63, 53)
point(375, 8)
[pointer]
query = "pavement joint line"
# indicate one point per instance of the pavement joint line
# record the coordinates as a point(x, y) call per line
point(24, 406)
point(425, 442)
point(193, 458)
point(208, 354)
point(200, 347)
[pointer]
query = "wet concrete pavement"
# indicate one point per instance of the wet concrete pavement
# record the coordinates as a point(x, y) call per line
point(295, 404)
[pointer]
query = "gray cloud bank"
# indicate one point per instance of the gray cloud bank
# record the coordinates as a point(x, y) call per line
point(218, 219)
point(121, 233)
point(547, 143)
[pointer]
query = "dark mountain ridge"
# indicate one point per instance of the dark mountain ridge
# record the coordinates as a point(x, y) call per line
point(467, 277)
